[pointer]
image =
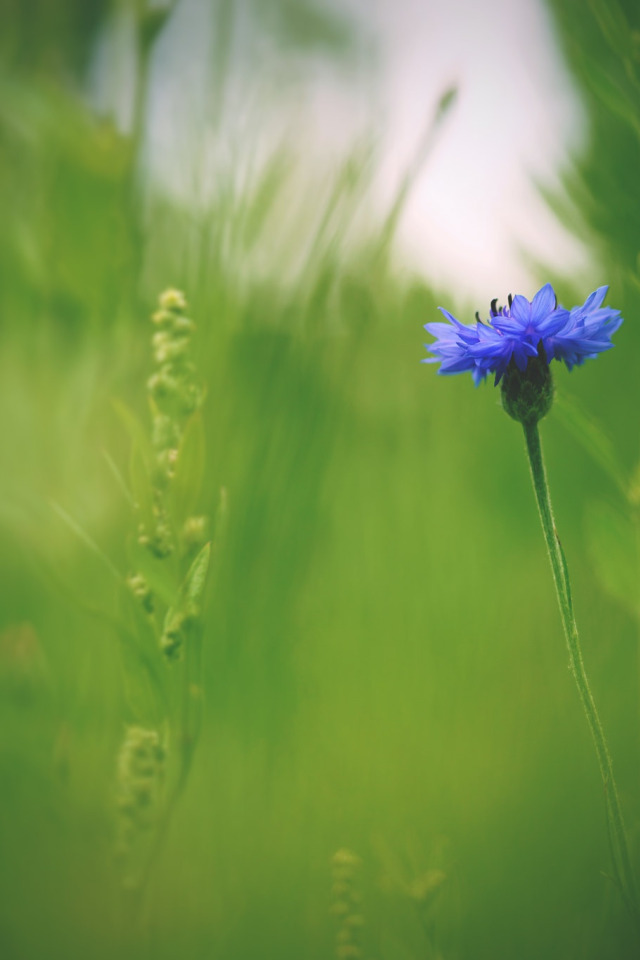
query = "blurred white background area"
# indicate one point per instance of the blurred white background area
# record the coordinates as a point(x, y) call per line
point(233, 83)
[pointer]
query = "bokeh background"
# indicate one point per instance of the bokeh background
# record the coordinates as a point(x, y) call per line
point(384, 664)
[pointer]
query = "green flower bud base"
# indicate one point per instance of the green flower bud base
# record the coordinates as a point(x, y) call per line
point(527, 395)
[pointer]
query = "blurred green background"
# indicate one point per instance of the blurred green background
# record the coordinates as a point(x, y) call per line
point(384, 664)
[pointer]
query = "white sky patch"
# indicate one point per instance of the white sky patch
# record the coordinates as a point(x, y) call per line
point(517, 117)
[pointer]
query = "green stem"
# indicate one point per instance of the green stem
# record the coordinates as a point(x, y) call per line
point(619, 843)
point(189, 724)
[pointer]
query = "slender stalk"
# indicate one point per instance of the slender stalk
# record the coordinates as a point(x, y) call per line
point(189, 724)
point(618, 836)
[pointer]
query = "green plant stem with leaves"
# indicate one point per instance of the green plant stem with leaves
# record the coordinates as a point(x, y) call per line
point(170, 558)
point(618, 837)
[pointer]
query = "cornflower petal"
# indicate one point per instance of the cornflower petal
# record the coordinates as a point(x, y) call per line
point(596, 298)
point(521, 310)
point(543, 304)
point(553, 323)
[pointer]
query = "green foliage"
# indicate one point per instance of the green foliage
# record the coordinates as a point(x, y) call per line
point(590, 434)
point(613, 543)
point(378, 662)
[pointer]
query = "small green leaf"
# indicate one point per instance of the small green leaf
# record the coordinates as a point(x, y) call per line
point(196, 579)
point(181, 615)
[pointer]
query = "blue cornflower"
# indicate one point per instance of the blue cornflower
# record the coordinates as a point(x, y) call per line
point(523, 330)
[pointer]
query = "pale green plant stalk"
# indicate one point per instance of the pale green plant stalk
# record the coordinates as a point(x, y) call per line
point(140, 775)
point(346, 905)
point(171, 562)
point(622, 865)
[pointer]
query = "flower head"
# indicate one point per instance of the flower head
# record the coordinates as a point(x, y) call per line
point(521, 330)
